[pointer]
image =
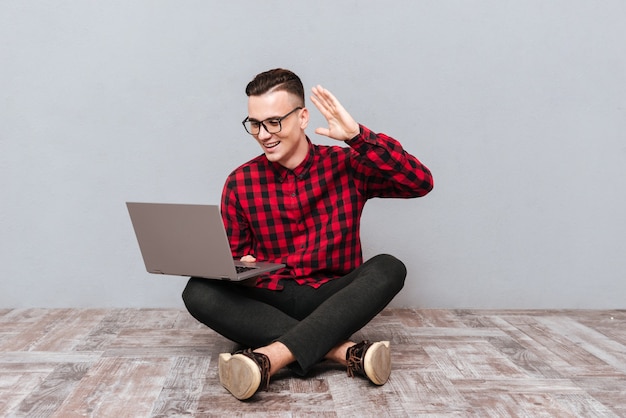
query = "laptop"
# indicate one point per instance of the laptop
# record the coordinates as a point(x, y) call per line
point(188, 240)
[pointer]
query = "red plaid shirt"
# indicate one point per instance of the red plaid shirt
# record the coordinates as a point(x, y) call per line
point(309, 218)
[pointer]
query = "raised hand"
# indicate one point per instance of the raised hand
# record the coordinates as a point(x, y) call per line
point(341, 126)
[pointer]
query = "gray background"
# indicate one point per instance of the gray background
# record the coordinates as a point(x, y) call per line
point(518, 107)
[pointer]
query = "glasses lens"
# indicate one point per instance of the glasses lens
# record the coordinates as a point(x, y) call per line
point(272, 126)
point(252, 127)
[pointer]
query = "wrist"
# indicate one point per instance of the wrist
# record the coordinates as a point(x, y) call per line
point(354, 133)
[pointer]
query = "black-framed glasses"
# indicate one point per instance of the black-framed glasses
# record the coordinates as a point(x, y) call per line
point(271, 125)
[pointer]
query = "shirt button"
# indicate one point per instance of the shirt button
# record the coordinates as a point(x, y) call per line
point(293, 195)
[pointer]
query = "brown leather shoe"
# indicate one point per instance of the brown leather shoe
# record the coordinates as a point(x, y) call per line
point(244, 373)
point(372, 360)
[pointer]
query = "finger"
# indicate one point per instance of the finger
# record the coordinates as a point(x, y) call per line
point(328, 106)
point(323, 131)
point(248, 258)
point(322, 107)
point(322, 92)
point(324, 97)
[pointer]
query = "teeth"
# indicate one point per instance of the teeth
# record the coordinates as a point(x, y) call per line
point(272, 144)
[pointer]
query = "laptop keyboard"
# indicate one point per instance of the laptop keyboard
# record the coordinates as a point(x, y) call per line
point(241, 269)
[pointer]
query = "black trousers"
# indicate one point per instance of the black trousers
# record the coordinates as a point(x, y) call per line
point(309, 321)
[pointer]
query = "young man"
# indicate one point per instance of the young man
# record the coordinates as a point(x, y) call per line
point(300, 204)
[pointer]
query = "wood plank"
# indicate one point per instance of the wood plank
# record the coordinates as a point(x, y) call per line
point(117, 387)
point(610, 391)
point(162, 362)
point(34, 324)
point(182, 387)
point(471, 360)
point(18, 383)
point(537, 360)
point(47, 357)
point(68, 330)
point(557, 350)
point(53, 390)
point(605, 349)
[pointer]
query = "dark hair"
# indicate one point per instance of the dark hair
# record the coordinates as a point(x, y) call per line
point(276, 79)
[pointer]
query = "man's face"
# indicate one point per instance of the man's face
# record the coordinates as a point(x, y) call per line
point(289, 146)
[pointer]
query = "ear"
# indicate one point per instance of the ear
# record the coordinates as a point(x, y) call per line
point(304, 118)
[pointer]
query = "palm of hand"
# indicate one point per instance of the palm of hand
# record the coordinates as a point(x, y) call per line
point(341, 126)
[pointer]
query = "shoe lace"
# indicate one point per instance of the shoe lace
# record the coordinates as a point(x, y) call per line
point(354, 357)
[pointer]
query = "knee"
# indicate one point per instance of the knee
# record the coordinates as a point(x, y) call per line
point(188, 292)
point(393, 270)
point(194, 297)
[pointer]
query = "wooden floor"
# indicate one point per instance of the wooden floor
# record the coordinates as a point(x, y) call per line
point(161, 363)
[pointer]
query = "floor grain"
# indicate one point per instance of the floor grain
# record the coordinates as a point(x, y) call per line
point(162, 363)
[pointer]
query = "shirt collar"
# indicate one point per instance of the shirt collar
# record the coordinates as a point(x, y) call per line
point(301, 170)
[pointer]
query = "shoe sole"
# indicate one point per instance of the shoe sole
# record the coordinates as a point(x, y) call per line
point(239, 374)
point(377, 362)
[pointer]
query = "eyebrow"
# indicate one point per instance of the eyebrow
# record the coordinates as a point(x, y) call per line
point(270, 118)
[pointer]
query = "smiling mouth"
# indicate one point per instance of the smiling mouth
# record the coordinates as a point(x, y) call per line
point(270, 145)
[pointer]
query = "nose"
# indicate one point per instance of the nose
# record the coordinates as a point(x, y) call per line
point(263, 133)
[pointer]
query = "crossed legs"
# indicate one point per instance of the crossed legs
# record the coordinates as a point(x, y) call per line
point(300, 325)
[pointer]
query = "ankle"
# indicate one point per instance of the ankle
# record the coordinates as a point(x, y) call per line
point(338, 352)
point(279, 355)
